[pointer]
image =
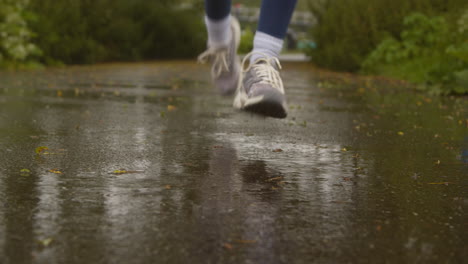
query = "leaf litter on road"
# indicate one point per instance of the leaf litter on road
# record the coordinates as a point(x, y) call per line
point(46, 242)
point(275, 179)
point(43, 150)
point(124, 171)
point(25, 172)
point(56, 171)
point(227, 246)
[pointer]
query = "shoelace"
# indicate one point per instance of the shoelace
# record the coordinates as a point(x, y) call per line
point(219, 58)
point(265, 70)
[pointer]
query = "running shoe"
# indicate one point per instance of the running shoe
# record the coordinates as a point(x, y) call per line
point(225, 69)
point(261, 90)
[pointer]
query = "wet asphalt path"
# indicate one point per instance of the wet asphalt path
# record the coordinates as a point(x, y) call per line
point(146, 164)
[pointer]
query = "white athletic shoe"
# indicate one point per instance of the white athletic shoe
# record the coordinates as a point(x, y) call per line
point(261, 90)
point(225, 70)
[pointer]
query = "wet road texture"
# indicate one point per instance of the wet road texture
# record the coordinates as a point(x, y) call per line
point(145, 163)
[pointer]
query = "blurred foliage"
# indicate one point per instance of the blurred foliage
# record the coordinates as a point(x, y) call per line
point(426, 52)
point(301, 5)
point(422, 36)
point(246, 42)
point(424, 41)
point(348, 30)
point(15, 36)
point(87, 31)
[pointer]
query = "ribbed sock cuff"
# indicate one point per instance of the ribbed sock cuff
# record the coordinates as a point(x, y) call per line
point(266, 44)
point(219, 31)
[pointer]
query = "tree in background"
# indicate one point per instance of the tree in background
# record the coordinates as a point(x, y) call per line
point(15, 35)
point(89, 31)
point(426, 52)
point(348, 30)
point(423, 41)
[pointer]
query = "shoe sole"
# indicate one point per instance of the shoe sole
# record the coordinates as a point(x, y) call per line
point(270, 104)
point(267, 109)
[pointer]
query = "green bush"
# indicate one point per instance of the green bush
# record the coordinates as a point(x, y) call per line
point(83, 31)
point(427, 52)
point(15, 36)
point(348, 30)
point(422, 36)
point(246, 42)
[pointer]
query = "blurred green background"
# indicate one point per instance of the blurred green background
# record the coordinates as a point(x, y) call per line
point(90, 31)
point(422, 41)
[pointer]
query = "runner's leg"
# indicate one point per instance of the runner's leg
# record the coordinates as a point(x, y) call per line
point(275, 16)
point(218, 21)
point(223, 41)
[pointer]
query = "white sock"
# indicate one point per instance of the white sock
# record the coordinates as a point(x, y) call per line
point(267, 44)
point(219, 31)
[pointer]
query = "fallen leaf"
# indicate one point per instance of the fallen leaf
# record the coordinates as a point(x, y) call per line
point(25, 172)
point(275, 179)
point(227, 246)
point(277, 150)
point(171, 108)
point(428, 100)
point(168, 187)
point(400, 133)
point(59, 93)
point(344, 149)
point(40, 149)
point(440, 183)
point(123, 171)
point(56, 171)
point(46, 242)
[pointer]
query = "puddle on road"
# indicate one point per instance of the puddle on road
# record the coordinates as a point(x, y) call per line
point(355, 173)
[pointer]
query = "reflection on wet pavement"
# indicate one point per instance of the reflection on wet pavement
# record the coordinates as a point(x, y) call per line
point(146, 164)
